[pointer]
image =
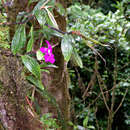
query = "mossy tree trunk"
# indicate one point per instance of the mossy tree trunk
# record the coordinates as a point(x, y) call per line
point(13, 86)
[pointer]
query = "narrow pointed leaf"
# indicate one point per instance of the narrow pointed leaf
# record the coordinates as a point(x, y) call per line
point(31, 41)
point(38, 6)
point(52, 18)
point(19, 39)
point(75, 58)
point(43, 3)
point(32, 65)
point(60, 9)
point(89, 45)
point(85, 122)
point(41, 16)
point(36, 82)
point(66, 47)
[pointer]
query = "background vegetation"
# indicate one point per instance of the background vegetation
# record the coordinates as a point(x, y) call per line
point(109, 29)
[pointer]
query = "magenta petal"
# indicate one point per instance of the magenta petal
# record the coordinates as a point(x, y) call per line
point(43, 49)
point(49, 58)
point(52, 60)
point(48, 43)
point(46, 57)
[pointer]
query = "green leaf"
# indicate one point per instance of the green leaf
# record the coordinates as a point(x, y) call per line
point(39, 55)
point(44, 15)
point(85, 122)
point(41, 16)
point(19, 39)
point(57, 34)
point(91, 127)
point(43, 2)
point(75, 58)
point(48, 65)
point(60, 9)
point(31, 1)
point(4, 45)
point(49, 32)
point(31, 41)
point(52, 18)
point(36, 82)
point(32, 65)
point(127, 35)
point(38, 6)
point(45, 70)
point(37, 106)
point(66, 47)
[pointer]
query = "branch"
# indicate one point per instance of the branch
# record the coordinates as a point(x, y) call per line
point(100, 82)
point(55, 29)
point(100, 95)
point(115, 79)
point(94, 100)
point(23, 22)
point(86, 38)
point(97, 124)
point(121, 101)
point(90, 84)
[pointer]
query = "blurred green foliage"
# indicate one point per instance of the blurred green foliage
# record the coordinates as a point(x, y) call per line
point(48, 121)
point(109, 29)
point(3, 34)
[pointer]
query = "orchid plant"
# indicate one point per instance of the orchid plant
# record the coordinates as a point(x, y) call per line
point(49, 56)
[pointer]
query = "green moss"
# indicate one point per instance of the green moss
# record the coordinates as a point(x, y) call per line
point(4, 43)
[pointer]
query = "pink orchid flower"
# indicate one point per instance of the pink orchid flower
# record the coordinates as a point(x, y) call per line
point(49, 57)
